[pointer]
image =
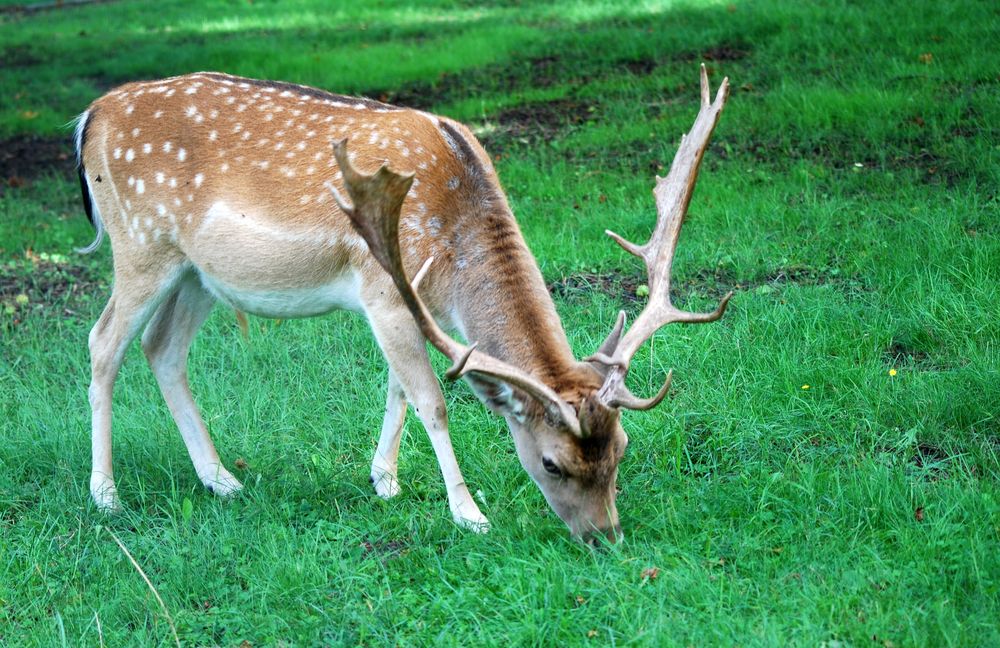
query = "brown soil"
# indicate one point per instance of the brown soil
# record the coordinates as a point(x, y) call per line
point(581, 285)
point(539, 121)
point(49, 287)
point(25, 157)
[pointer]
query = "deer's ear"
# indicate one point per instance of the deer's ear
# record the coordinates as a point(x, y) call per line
point(498, 396)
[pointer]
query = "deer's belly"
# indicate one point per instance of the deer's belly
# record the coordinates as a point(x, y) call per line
point(274, 271)
point(283, 303)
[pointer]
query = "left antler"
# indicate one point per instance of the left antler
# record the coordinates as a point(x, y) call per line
point(377, 200)
point(673, 194)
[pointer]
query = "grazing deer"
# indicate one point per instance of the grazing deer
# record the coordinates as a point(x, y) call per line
point(278, 200)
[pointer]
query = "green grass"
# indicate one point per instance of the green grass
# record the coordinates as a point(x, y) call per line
point(850, 196)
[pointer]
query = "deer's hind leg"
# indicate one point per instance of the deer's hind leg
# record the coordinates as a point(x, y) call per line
point(385, 463)
point(135, 296)
point(166, 342)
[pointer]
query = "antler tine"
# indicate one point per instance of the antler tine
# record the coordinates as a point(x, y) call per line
point(374, 211)
point(673, 194)
point(626, 400)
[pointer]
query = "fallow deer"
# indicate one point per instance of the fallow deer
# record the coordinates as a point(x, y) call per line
point(286, 201)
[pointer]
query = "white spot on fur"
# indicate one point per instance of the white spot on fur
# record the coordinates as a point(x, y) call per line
point(191, 110)
point(453, 183)
point(167, 146)
point(160, 177)
point(213, 135)
point(118, 153)
point(128, 109)
point(147, 148)
point(129, 155)
point(161, 209)
point(224, 167)
point(140, 186)
point(181, 154)
point(198, 179)
point(131, 181)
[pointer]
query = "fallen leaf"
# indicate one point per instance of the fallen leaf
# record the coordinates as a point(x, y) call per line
point(918, 514)
point(650, 573)
point(241, 463)
point(591, 634)
point(926, 58)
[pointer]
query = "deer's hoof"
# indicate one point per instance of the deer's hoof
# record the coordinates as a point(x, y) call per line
point(476, 524)
point(385, 483)
point(220, 481)
point(105, 494)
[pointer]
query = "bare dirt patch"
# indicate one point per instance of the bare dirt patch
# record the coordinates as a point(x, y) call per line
point(42, 287)
point(533, 72)
point(385, 550)
point(25, 157)
point(535, 122)
point(709, 283)
point(720, 52)
point(580, 285)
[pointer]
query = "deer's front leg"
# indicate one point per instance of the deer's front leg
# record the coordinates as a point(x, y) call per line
point(405, 348)
point(385, 463)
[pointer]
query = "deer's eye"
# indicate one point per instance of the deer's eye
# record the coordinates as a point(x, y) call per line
point(550, 467)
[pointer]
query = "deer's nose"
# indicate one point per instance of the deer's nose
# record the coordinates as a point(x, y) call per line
point(598, 537)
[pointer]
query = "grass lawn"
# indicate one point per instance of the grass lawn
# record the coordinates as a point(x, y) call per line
point(826, 471)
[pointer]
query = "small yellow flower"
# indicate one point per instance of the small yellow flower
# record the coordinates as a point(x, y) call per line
point(892, 372)
point(805, 386)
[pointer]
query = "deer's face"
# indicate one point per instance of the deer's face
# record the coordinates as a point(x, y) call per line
point(576, 474)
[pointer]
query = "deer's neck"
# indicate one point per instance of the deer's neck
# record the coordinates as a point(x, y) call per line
point(501, 302)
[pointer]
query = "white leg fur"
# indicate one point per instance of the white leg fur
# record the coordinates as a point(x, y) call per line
point(385, 463)
point(166, 342)
point(406, 347)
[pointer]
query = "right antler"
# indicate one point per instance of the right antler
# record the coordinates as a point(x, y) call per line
point(673, 194)
point(377, 200)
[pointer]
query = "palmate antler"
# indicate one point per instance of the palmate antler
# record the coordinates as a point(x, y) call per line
point(673, 194)
point(374, 211)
